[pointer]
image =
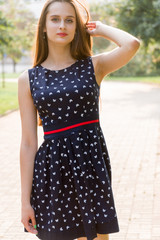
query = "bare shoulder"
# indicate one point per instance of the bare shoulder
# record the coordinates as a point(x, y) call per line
point(23, 80)
point(24, 77)
point(24, 85)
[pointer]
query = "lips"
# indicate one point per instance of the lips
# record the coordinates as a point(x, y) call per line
point(62, 34)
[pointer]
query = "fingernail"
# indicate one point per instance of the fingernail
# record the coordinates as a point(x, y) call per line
point(35, 226)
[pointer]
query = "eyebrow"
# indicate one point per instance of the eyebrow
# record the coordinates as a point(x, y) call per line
point(59, 16)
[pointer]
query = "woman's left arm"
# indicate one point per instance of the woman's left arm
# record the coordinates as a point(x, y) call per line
point(108, 62)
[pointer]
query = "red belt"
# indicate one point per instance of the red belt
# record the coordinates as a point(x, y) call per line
point(72, 126)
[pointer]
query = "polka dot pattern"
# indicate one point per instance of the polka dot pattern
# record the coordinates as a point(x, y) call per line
point(71, 191)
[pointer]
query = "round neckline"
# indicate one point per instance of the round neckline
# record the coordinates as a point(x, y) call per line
point(47, 69)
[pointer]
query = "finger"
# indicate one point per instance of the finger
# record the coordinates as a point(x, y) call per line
point(34, 224)
point(91, 23)
point(91, 26)
point(91, 29)
point(27, 226)
point(30, 228)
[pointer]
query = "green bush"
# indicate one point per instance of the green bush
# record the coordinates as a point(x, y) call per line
point(140, 65)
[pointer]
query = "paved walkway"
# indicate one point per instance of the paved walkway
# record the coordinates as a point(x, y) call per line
point(130, 119)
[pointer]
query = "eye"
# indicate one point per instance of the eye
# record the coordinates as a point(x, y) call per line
point(55, 19)
point(69, 20)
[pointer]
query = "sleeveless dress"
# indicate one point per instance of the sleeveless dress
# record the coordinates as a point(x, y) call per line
point(71, 190)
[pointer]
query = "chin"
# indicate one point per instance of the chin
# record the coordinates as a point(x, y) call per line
point(61, 41)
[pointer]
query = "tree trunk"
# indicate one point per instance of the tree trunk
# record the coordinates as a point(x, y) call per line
point(14, 66)
point(3, 73)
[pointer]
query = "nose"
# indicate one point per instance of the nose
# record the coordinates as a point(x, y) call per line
point(62, 25)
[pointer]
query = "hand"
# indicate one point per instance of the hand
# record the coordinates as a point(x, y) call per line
point(27, 213)
point(94, 28)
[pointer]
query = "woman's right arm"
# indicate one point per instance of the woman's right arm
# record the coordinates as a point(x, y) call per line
point(28, 149)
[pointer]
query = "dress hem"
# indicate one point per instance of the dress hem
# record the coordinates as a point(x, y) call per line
point(74, 233)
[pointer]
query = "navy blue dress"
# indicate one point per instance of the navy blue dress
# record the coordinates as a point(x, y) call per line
point(71, 191)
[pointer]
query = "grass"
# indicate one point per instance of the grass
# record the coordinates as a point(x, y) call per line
point(155, 80)
point(8, 97)
point(10, 75)
point(9, 100)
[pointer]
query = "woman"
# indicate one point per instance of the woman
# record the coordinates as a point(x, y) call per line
point(66, 185)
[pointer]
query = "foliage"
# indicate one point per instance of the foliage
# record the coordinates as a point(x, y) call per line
point(100, 12)
point(5, 36)
point(23, 21)
point(141, 18)
point(141, 65)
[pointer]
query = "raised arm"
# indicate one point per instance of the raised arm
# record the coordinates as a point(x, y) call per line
point(111, 61)
point(28, 149)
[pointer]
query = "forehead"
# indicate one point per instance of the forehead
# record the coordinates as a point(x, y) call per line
point(61, 8)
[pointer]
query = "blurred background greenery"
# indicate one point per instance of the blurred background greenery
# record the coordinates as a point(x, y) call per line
point(18, 19)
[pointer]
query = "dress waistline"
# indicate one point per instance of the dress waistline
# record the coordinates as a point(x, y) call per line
point(70, 127)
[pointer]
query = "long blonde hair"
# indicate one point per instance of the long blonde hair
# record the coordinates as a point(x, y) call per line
point(81, 46)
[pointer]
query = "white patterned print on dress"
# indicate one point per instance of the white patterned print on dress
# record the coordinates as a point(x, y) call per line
point(71, 192)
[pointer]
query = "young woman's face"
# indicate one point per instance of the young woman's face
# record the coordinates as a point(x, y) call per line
point(60, 23)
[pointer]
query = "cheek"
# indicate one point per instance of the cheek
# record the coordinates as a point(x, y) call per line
point(72, 29)
point(51, 26)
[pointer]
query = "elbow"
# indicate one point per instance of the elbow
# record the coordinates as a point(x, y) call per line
point(134, 44)
point(27, 152)
point(29, 145)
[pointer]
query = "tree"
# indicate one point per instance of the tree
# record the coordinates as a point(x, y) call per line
point(142, 18)
point(23, 21)
point(101, 12)
point(4, 36)
point(5, 39)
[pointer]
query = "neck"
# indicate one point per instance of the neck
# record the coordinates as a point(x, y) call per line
point(58, 56)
